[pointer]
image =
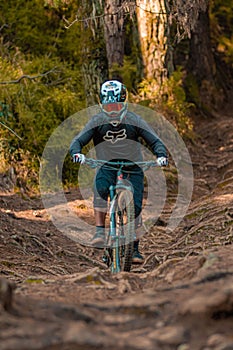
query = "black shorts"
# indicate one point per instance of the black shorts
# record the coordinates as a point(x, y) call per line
point(106, 177)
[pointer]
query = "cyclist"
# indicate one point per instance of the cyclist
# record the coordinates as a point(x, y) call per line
point(116, 134)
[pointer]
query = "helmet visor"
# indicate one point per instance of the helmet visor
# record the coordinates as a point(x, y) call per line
point(113, 108)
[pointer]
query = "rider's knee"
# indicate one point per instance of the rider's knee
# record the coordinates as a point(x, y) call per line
point(100, 202)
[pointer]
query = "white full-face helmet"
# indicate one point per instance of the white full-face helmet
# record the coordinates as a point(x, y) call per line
point(113, 100)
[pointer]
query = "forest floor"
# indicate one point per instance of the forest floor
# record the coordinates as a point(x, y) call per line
point(57, 294)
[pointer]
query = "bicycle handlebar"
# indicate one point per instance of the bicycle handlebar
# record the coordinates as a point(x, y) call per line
point(95, 163)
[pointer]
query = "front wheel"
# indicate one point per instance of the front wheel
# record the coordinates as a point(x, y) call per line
point(126, 228)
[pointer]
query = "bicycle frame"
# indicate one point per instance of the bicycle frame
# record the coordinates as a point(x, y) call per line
point(114, 240)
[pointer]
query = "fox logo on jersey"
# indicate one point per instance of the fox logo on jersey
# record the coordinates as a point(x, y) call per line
point(114, 136)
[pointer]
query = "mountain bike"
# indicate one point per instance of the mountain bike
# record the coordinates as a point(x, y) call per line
point(119, 243)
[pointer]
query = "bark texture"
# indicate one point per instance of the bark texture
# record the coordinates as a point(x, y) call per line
point(202, 68)
point(201, 62)
point(95, 65)
point(113, 31)
point(152, 24)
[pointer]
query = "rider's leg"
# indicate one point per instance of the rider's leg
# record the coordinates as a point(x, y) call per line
point(137, 181)
point(100, 215)
point(99, 237)
point(101, 192)
point(137, 256)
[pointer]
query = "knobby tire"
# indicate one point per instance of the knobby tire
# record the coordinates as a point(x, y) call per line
point(125, 205)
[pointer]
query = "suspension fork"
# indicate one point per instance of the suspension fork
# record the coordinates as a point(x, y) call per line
point(115, 238)
point(112, 190)
point(112, 212)
point(115, 268)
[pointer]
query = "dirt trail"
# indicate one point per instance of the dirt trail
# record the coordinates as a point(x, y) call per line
point(57, 294)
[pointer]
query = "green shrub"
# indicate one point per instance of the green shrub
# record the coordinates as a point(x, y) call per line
point(169, 99)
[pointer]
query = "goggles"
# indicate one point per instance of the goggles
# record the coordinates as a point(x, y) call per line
point(113, 108)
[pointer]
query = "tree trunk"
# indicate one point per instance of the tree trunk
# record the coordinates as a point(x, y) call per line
point(95, 66)
point(201, 61)
point(202, 68)
point(113, 32)
point(153, 30)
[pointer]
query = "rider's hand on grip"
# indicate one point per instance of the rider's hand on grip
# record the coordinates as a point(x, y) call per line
point(162, 161)
point(79, 158)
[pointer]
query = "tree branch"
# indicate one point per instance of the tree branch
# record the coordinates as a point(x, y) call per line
point(25, 76)
point(12, 131)
point(128, 7)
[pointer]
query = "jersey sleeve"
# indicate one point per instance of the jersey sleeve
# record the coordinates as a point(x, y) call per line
point(151, 138)
point(83, 138)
